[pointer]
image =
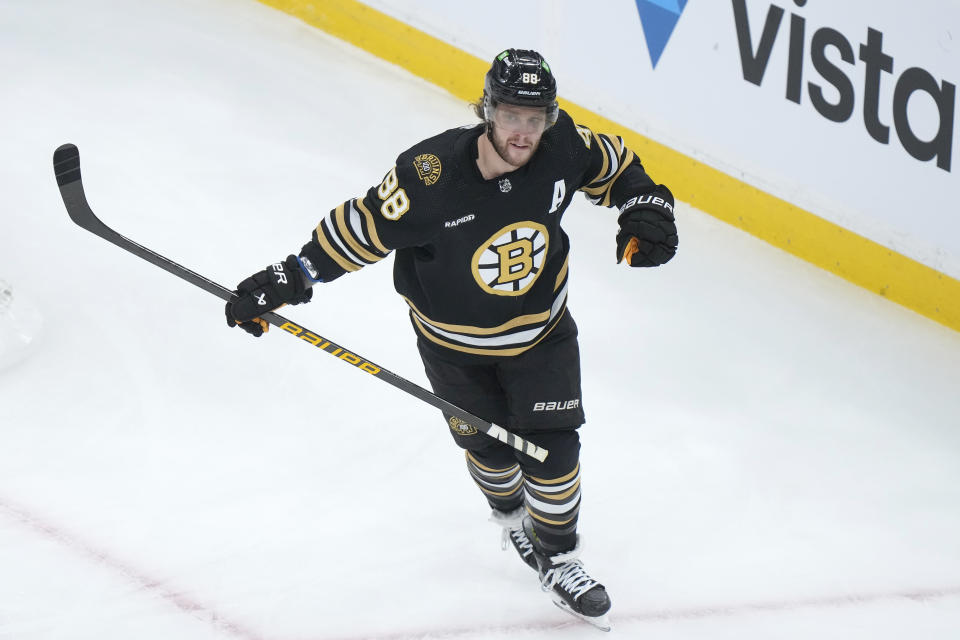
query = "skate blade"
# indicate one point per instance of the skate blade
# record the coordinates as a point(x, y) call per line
point(600, 622)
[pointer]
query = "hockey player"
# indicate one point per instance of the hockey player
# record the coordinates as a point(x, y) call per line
point(473, 217)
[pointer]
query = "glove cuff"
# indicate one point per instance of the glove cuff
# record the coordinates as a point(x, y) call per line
point(309, 271)
point(658, 200)
point(301, 293)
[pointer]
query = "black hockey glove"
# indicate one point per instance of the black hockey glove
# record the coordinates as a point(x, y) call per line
point(648, 232)
point(279, 284)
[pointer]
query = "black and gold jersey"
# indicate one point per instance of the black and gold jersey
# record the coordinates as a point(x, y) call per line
point(482, 263)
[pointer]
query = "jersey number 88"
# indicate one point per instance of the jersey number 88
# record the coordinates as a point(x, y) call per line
point(395, 201)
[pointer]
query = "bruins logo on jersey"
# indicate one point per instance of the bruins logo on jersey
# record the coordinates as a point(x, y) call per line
point(510, 261)
point(462, 428)
point(428, 168)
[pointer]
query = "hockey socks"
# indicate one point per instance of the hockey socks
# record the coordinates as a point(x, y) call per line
point(501, 486)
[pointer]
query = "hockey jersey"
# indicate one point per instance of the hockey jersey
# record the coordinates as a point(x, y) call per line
point(482, 264)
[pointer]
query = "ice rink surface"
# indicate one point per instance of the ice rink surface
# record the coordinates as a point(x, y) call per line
point(770, 451)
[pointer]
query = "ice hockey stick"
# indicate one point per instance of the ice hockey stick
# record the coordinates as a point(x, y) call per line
point(66, 166)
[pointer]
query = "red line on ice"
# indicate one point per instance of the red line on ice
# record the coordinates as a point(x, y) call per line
point(181, 601)
point(207, 614)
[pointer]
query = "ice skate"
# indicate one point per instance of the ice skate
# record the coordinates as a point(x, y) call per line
point(513, 533)
point(569, 585)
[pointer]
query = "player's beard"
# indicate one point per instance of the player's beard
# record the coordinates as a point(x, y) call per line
point(504, 150)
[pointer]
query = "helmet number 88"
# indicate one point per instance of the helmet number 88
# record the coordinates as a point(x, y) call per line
point(531, 78)
point(395, 201)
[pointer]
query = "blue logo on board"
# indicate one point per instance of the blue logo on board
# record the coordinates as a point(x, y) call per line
point(658, 18)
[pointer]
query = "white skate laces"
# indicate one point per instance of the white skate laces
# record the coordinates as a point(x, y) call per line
point(519, 539)
point(561, 575)
point(512, 533)
point(574, 591)
point(570, 577)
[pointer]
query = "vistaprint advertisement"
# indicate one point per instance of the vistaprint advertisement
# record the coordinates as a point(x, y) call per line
point(847, 110)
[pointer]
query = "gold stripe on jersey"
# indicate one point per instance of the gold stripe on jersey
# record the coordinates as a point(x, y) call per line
point(513, 351)
point(604, 153)
point(333, 252)
point(370, 226)
point(616, 158)
point(610, 150)
point(470, 339)
point(480, 340)
point(607, 192)
point(519, 321)
point(562, 276)
point(348, 234)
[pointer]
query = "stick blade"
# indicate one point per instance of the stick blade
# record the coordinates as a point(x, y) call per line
point(66, 164)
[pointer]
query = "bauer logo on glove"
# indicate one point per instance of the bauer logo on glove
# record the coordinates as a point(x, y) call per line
point(648, 231)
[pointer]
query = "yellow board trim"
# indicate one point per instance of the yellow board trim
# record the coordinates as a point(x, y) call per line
point(784, 225)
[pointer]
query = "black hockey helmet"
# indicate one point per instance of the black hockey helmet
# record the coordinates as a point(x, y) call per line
point(520, 77)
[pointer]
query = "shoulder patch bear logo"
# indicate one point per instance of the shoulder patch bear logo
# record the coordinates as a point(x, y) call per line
point(428, 168)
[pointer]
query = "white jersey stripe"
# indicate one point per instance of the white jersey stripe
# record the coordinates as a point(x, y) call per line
point(330, 223)
point(518, 337)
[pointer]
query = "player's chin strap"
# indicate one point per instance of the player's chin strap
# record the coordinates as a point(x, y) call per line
point(66, 165)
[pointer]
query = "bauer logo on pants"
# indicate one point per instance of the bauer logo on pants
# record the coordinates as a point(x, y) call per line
point(510, 261)
point(561, 405)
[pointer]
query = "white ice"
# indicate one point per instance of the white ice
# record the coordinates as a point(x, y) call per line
point(770, 451)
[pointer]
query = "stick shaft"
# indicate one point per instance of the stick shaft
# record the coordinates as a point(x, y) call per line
point(66, 162)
